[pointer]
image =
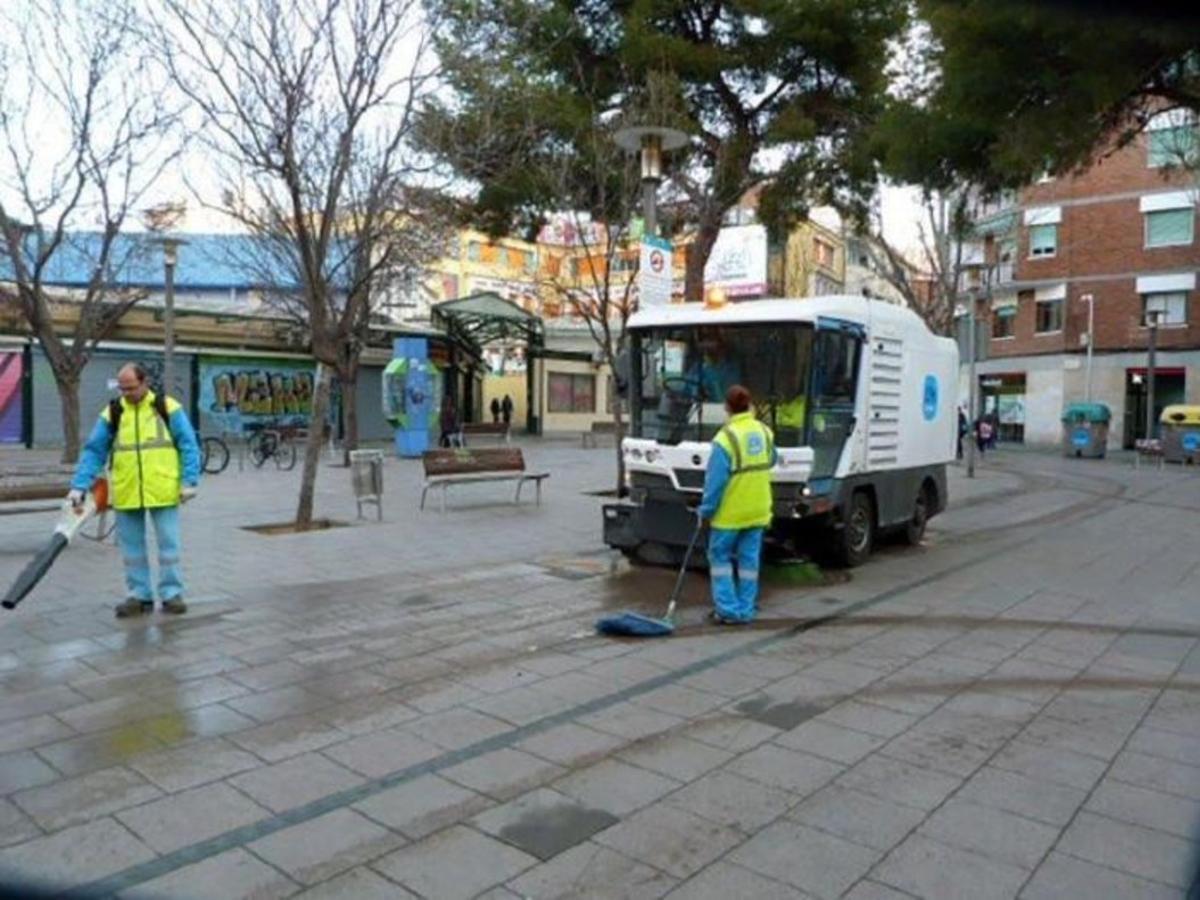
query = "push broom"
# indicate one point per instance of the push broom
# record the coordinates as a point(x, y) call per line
point(632, 624)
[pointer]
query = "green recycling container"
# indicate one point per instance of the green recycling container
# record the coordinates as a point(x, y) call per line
point(1085, 430)
point(1181, 433)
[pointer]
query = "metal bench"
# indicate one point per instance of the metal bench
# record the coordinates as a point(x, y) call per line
point(608, 426)
point(444, 468)
point(498, 430)
point(1147, 449)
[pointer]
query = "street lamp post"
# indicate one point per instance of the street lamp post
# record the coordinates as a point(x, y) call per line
point(651, 141)
point(1091, 339)
point(170, 247)
point(1152, 323)
point(971, 353)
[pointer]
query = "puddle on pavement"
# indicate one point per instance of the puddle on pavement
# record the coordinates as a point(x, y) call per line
point(549, 831)
point(785, 716)
point(636, 587)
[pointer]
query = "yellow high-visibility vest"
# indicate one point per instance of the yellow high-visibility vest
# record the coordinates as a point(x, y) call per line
point(791, 413)
point(145, 461)
point(746, 502)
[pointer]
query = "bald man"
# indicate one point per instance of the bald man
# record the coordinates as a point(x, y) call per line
point(155, 467)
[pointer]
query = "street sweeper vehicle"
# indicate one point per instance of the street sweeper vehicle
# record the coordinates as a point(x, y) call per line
point(861, 397)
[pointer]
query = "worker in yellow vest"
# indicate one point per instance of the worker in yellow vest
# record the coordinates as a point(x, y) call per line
point(789, 415)
point(155, 467)
point(737, 504)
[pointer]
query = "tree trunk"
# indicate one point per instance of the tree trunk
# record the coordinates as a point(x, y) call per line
point(349, 383)
point(619, 434)
point(68, 393)
point(697, 258)
point(312, 449)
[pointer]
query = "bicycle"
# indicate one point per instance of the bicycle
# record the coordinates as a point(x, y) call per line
point(274, 443)
point(214, 455)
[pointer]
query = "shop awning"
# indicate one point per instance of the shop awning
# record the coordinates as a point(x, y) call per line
point(485, 318)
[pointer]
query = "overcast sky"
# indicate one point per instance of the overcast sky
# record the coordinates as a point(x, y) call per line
point(194, 174)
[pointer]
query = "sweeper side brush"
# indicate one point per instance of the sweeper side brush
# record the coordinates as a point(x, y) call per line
point(631, 624)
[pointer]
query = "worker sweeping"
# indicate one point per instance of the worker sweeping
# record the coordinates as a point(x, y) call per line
point(737, 504)
point(155, 467)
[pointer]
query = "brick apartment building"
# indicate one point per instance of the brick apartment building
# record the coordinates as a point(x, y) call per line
point(1123, 232)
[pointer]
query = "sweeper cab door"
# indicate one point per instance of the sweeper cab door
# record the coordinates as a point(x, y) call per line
point(837, 355)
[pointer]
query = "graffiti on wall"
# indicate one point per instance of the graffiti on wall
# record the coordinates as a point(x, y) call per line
point(241, 395)
point(11, 370)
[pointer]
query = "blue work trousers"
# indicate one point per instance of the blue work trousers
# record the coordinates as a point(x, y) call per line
point(131, 535)
point(734, 600)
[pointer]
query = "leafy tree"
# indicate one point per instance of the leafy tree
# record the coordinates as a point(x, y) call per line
point(1001, 92)
point(774, 94)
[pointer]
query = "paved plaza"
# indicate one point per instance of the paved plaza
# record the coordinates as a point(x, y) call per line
point(419, 707)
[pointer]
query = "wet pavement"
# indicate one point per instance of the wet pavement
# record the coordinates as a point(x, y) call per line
point(420, 708)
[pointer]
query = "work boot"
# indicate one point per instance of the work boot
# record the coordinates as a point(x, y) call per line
point(175, 606)
point(134, 607)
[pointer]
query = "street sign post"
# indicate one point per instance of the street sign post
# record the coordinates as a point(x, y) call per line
point(654, 272)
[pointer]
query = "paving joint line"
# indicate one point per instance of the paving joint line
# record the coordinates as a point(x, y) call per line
point(237, 837)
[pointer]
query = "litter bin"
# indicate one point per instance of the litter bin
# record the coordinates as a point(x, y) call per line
point(1181, 434)
point(1085, 430)
point(366, 474)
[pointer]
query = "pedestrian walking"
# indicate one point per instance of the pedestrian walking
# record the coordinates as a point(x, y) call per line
point(506, 409)
point(963, 427)
point(737, 505)
point(983, 434)
point(450, 427)
point(155, 468)
point(495, 407)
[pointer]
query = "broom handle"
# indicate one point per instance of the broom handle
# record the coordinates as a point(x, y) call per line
point(687, 558)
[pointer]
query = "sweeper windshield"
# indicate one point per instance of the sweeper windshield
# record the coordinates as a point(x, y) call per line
point(684, 372)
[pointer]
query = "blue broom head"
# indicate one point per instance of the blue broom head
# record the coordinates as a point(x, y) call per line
point(630, 624)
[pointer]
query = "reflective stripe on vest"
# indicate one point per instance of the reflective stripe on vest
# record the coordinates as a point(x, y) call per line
point(145, 462)
point(747, 501)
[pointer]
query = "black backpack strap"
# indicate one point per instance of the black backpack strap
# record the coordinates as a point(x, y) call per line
point(114, 415)
point(115, 407)
point(160, 407)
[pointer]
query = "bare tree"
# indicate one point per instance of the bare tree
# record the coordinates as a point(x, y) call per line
point(604, 303)
point(84, 131)
point(931, 284)
point(308, 107)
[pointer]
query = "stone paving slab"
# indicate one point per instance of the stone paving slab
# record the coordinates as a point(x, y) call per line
point(421, 709)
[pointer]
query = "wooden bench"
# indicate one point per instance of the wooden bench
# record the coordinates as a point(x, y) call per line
point(608, 426)
point(25, 491)
point(497, 430)
point(1145, 448)
point(444, 468)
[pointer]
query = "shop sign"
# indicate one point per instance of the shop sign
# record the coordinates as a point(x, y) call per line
point(738, 261)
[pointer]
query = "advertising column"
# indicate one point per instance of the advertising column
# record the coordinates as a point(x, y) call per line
point(412, 394)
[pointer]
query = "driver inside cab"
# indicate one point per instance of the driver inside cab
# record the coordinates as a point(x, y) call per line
point(713, 370)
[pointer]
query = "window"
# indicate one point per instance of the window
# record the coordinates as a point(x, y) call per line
point(824, 286)
point(1049, 316)
point(1003, 320)
point(1043, 240)
point(823, 253)
point(1171, 308)
point(1172, 146)
point(572, 393)
point(530, 261)
point(1170, 227)
point(474, 251)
